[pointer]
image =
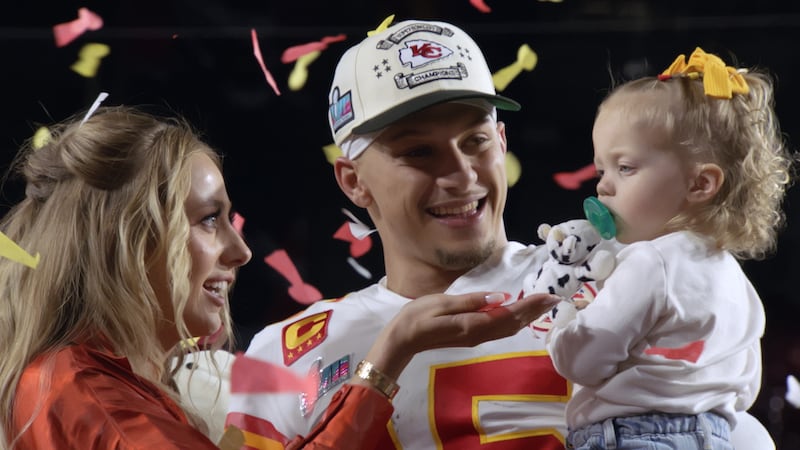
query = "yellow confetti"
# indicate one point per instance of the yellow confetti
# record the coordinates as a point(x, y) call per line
point(299, 75)
point(513, 169)
point(41, 137)
point(9, 249)
point(332, 151)
point(232, 439)
point(189, 343)
point(89, 59)
point(384, 25)
point(526, 60)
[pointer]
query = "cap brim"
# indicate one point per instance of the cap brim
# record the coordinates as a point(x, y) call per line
point(419, 103)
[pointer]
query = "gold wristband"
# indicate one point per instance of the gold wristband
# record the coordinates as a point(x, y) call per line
point(367, 372)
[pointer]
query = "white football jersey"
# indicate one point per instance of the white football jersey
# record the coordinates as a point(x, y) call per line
point(504, 392)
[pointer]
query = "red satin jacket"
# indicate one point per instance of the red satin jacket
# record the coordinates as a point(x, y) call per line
point(94, 401)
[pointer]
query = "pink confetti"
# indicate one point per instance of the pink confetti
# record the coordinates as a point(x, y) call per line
point(690, 352)
point(250, 375)
point(481, 6)
point(293, 53)
point(67, 32)
point(573, 180)
point(358, 247)
point(260, 59)
point(238, 222)
point(299, 290)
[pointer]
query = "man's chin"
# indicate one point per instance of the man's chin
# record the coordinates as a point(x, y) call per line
point(465, 259)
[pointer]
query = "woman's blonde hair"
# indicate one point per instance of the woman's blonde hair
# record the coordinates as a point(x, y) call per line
point(104, 201)
point(741, 135)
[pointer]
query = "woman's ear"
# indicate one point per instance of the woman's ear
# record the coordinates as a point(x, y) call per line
point(707, 181)
point(350, 183)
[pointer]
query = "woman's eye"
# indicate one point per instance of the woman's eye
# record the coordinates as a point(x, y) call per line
point(211, 219)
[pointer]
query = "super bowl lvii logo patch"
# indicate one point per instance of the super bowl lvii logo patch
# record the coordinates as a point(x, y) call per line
point(340, 110)
point(304, 334)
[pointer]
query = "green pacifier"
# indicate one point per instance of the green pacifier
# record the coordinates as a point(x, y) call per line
point(600, 217)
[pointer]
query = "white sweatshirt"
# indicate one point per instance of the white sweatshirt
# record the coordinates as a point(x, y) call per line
point(676, 329)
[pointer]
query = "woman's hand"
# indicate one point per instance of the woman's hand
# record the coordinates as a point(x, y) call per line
point(441, 320)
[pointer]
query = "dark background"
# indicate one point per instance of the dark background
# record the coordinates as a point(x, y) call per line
point(196, 58)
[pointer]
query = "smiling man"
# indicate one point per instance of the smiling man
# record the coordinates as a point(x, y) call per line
point(414, 110)
point(434, 184)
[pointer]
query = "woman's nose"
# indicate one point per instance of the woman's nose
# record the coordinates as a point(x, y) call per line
point(236, 253)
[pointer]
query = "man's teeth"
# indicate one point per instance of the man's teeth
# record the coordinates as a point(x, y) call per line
point(217, 287)
point(453, 211)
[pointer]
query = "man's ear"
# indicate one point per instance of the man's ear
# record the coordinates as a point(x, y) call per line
point(501, 132)
point(347, 177)
point(707, 181)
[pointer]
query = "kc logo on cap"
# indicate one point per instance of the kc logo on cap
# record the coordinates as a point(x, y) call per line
point(406, 68)
point(419, 52)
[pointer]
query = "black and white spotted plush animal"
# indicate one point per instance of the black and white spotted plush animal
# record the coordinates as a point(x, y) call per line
point(573, 259)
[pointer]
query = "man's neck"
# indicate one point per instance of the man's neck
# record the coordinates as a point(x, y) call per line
point(415, 279)
point(415, 284)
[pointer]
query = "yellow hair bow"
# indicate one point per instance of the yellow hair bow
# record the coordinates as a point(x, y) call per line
point(719, 80)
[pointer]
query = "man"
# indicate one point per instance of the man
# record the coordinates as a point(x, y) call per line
point(413, 109)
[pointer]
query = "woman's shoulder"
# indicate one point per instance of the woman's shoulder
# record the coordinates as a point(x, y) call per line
point(75, 372)
point(79, 394)
point(57, 392)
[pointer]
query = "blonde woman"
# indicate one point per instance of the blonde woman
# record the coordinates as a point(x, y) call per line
point(132, 220)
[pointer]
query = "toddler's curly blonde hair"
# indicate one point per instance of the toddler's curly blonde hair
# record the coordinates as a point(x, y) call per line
point(741, 135)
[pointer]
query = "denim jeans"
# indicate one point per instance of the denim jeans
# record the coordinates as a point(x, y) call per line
point(656, 431)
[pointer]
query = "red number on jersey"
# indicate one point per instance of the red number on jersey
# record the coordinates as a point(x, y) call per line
point(463, 393)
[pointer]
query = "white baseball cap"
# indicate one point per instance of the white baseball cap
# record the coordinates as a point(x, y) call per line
point(407, 67)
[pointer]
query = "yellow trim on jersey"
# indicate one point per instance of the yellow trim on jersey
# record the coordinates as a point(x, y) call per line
point(494, 357)
point(393, 435)
point(484, 438)
point(260, 442)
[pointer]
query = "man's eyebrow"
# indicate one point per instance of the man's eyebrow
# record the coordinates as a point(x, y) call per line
point(403, 132)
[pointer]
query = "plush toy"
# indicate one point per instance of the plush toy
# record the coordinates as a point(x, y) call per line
point(572, 259)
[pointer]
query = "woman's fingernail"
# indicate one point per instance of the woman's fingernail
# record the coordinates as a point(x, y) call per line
point(497, 297)
point(552, 300)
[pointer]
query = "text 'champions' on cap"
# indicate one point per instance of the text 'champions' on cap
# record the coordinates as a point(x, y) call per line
point(407, 67)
